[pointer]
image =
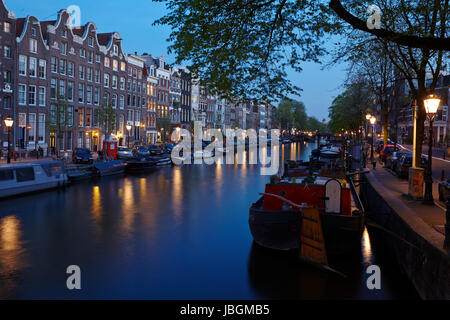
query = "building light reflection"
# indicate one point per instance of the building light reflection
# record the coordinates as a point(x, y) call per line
point(177, 192)
point(366, 248)
point(97, 204)
point(12, 259)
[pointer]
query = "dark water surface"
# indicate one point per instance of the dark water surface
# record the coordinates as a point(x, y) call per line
point(177, 233)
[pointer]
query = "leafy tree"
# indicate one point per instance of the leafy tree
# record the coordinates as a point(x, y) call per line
point(164, 126)
point(60, 120)
point(315, 125)
point(419, 19)
point(243, 48)
point(107, 117)
point(283, 116)
point(348, 110)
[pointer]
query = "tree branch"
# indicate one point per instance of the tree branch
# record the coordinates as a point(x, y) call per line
point(428, 43)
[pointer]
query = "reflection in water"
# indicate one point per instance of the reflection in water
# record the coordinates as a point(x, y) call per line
point(178, 233)
point(97, 210)
point(128, 206)
point(143, 188)
point(177, 187)
point(366, 248)
point(293, 152)
point(11, 255)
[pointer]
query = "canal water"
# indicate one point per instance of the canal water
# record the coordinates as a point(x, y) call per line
point(177, 233)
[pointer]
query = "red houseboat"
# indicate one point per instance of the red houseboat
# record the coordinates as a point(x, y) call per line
point(276, 219)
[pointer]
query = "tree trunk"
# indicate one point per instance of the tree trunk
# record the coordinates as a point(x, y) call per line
point(420, 127)
point(385, 121)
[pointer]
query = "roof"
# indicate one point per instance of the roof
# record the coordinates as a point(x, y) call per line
point(44, 25)
point(19, 26)
point(104, 38)
point(79, 31)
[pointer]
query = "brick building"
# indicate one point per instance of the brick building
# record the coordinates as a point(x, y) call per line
point(7, 67)
point(64, 77)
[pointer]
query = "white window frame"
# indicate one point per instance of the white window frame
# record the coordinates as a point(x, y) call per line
point(23, 60)
point(34, 68)
point(44, 95)
point(33, 46)
point(24, 94)
point(42, 64)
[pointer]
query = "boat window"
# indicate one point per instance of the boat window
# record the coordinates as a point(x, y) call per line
point(6, 175)
point(25, 174)
point(52, 169)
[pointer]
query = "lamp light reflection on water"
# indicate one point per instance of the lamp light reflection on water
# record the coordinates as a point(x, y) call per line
point(366, 248)
point(128, 206)
point(177, 193)
point(12, 252)
point(10, 233)
point(97, 203)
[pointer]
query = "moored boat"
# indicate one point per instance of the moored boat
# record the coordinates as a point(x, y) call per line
point(109, 168)
point(277, 225)
point(161, 161)
point(79, 175)
point(21, 178)
point(140, 165)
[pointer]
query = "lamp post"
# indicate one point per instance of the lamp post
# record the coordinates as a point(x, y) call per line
point(129, 132)
point(368, 117)
point(431, 106)
point(373, 121)
point(9, 123)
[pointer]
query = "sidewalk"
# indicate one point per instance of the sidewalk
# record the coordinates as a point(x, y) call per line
point(437, 152)
point(433, 216)
point(25, 160)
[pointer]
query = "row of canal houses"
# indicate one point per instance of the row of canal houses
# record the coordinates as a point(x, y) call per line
point(46, 64)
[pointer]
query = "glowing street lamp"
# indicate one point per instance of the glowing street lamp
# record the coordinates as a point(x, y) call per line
point(9, 123)
point(431, 106)
point(373, 121)
point(129, 127)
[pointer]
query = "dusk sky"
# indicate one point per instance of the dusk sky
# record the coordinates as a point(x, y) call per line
point(133, 20)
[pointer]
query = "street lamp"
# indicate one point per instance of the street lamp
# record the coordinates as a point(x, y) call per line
point(368, 116)
point(373, 121)
point(129, 132)
point(431, 106)
point(9, 123)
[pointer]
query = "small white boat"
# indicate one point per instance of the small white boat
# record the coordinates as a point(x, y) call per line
point(21, 178)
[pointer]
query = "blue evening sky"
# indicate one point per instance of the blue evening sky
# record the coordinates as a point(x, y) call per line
point(133, 20)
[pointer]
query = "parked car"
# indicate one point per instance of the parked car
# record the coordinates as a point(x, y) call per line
point(124, 153)
point(141, 151)
point(387, 150)
point(405, 163)
point(167, 147)
point(380, 144)
point(155, 150)
point(82, 156)
point(444, 190)
point(393, 159)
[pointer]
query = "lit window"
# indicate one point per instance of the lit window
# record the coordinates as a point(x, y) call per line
point(23, 65)
point(7, 27)
point(33, 45)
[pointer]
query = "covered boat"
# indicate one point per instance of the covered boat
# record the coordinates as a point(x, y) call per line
point(140, 165)
point(275, 223)
point(109, 168)
point(21, 178)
